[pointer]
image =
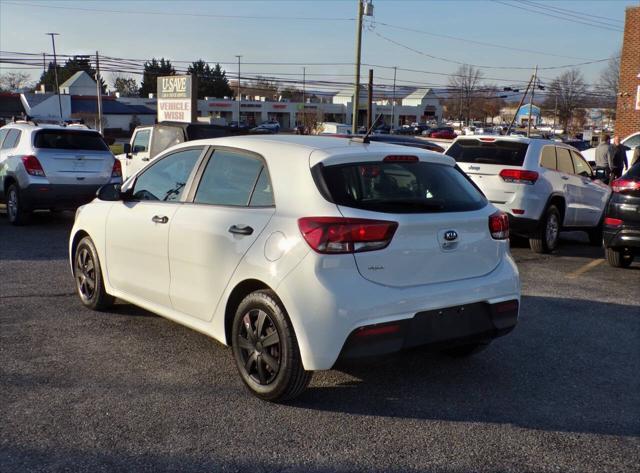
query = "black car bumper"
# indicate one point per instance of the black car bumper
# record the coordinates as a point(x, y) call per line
point(471, 323)
point(522, 226)
point(46, 196)
point(621, 237)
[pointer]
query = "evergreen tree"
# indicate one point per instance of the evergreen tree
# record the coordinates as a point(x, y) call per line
point(152, 70)
point(70, 67)
point(212, 82)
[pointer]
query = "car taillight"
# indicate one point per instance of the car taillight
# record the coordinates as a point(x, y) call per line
point(116, 171)
point(32, 166)
point(613, 222)
point(499, 226)
point(331, 235)
point(519, 176)
point(625, 185)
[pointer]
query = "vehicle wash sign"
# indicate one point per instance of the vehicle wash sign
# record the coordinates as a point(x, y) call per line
point(177, 100)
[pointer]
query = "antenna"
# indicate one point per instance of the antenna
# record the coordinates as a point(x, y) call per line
point(365, 138)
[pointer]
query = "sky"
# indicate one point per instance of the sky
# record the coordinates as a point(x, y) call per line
point(415, 35)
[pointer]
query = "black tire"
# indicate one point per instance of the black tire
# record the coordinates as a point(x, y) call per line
point(595, 236)
point(88, 277)
point(272, 372)
point(546, 237)
point(618, 258)
point(465, 350)
point(16, 211)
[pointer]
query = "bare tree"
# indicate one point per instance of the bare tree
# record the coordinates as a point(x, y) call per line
point(610, 76)
point(126, 86)
point(15, 81)
point(465, 84)
point(570, 91)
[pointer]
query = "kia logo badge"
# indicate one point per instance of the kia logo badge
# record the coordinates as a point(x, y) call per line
point(450, 235)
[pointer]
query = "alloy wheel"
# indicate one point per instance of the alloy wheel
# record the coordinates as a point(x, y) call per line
point(259, 344)
point(12, 203)
point(85, 274)
point(552, 230)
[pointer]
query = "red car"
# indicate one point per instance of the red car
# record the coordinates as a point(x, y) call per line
point(446, 133)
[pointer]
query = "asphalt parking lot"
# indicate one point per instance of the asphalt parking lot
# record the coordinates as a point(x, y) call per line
point(127, 390)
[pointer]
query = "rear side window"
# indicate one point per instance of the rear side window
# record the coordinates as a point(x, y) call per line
point(564, 160)
point(230, 179)
point(3, 133)
point(548, 157)
point(582, 168)
point(411, 187)
point(504, 153)
point(11, 140)
point(70, 139)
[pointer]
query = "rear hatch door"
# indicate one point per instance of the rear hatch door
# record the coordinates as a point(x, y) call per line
point(73, 156)
point(443, 221)
point(482, 159)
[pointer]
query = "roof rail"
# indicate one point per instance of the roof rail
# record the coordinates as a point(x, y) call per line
point(24, 119)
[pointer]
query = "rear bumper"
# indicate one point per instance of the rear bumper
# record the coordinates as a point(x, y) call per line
point(522, 226)
point(479, 322)
point(622, 237)
point(44, 196)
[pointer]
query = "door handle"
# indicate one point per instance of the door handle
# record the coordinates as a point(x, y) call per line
point(240, 230)
point(564, 178)
point(144, 159)
point(159, 219)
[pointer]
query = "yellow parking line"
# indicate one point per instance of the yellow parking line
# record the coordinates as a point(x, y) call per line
point(583, 269)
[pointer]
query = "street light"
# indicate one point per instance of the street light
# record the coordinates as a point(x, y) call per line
point(365, 7)
point(55, 70)
point(239, 93)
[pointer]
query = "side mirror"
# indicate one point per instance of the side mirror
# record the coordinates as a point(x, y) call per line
point(109, 193)
point(126, 148)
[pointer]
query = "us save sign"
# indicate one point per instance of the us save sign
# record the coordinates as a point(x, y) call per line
point(177, 101)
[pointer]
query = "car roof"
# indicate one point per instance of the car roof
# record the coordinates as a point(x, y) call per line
point(303, 145)
point(26, 126)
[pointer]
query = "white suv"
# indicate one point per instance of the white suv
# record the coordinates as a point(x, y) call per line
point(299, 250)
point(543, 186)
point(51, 167)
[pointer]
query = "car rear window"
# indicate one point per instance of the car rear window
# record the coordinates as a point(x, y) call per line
point(504, 153)
point(401, 187)
point(70, 139)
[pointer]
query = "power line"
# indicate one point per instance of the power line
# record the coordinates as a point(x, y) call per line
point(587, 16)
point(563, 17)
point(173, 14)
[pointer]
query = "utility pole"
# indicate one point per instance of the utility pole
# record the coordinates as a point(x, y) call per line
point(99, 93)
point(55, 70)
point(555, 114)
point(533, 91)
point(304, 98)
point(370, 101)
point(393, 103)
point(356, 93)
point(44, 63)
point(519, 105)
point(239, 97)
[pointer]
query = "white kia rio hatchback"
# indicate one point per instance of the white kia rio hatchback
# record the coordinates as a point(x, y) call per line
point(299, 251)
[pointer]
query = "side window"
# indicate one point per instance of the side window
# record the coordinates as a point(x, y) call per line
point(11, 140)
point(564, 160)
point(548, 157)
point(3, 133)
point(581, 166)
point(263, 192)
point(166, 178)
point(141, 141)
point(230, 178)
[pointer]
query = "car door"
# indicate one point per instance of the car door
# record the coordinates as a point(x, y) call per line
point(593, 194)
point(137, 229)
point(229, 208)
point(571, 186)
point(140, 151)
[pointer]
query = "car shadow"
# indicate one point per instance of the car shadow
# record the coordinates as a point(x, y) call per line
point(570, 365)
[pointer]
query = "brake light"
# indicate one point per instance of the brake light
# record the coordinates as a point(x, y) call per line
point(519, 176)
point(32, 166)
point(331, 235)
point(377, 330)
point(612, 222)
point(488, 140)
point(116, 171)
point(499, 226)
point(397, 158)
point(624, 185)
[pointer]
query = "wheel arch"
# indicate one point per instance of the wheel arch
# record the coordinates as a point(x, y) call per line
point(559, 202)
point(79, 235)
point(239, 292)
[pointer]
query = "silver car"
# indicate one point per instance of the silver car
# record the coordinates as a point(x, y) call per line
point(52, 167)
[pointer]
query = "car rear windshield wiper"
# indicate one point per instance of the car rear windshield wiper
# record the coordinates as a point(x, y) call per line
point(413, 203)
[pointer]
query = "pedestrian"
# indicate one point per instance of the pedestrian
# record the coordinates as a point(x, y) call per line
point(618, 158)
point(604, 153)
